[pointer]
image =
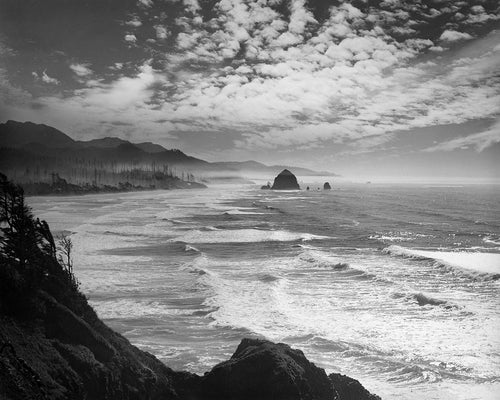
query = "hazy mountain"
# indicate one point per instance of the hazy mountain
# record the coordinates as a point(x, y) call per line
point(18, 134)
point(259, 168)
point(46, 141)
point(149, 147)
point(107, 142)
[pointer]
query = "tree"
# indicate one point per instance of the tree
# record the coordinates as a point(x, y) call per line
point(28, 253)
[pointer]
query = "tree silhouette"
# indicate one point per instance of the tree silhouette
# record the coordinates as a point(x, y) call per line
point(29, 259)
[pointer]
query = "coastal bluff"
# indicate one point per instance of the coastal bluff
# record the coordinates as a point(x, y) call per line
point(285, 181)
point(53, 346)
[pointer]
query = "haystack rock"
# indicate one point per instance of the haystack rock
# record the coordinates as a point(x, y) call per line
point(285, 181)
point(327, 186)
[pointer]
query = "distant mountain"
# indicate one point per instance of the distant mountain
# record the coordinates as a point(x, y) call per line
point(43, 140)
point(113, 142)
point(259, 168)
point(152, 148)
point(104, 143)
point(18, 134)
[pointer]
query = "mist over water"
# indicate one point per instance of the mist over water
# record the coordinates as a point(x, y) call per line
point(397, 286)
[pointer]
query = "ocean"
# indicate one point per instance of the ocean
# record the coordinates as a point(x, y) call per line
point(395, 285)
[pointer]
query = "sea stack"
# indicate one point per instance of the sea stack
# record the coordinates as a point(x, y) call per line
point(327, 186)
point(285, 181)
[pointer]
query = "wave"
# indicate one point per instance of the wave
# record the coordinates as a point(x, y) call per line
point(389, 238)
point(424, 300)
point(209, 228)
point(479, 265)
point(321, 259)
point(198, 271)
point(491, 240)
point(267, 278)
point(401, 236)
point(240, 212)
point(134, 308)
point(395, 366)
point(191, 248)
point(245, 236)
point(178, 222)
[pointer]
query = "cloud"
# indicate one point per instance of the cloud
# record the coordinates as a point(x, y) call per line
point(161, 32)
point(453, 36)
point(146, 3)
point(130, 38)
point(192, 5)
point(479, 141)
point(82, 70)
point(135, 22)
point(45, 78)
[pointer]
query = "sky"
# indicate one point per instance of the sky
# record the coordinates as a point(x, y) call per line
point(364, 88)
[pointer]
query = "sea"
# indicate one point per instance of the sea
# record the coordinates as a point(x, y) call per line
point(397, 286)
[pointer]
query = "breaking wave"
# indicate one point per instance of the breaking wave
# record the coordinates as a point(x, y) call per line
point(245, 236)
point(485, 266)
point(424, 300)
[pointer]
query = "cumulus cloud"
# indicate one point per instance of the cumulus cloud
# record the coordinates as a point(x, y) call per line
point(161, 32)
point(130, 38)
point(135, 22)
point(45, 78)
point(453, 36)
point(146, 3)
point(82, 70)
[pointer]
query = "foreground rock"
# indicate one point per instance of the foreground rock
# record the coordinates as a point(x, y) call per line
point(327, 186)
point(263, 370)
point(285, 181)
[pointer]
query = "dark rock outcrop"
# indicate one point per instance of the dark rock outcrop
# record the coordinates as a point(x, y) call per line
point(263, 370)
point(327, 186)
point(285, 181)
point(350, 389)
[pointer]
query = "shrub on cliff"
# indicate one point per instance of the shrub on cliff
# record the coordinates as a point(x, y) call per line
point(29, 258)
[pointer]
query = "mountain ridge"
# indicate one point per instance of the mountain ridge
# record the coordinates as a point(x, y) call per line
point(48, 141)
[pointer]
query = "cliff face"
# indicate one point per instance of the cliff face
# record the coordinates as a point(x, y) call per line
point(58, 354)
point(53, 345)
point(285, 181)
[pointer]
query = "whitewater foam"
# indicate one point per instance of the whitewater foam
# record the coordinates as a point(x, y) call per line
point(483, 263)
point(245, 236)
point(491, 240)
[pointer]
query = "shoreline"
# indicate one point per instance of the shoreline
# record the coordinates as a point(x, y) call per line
point(44, 189)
